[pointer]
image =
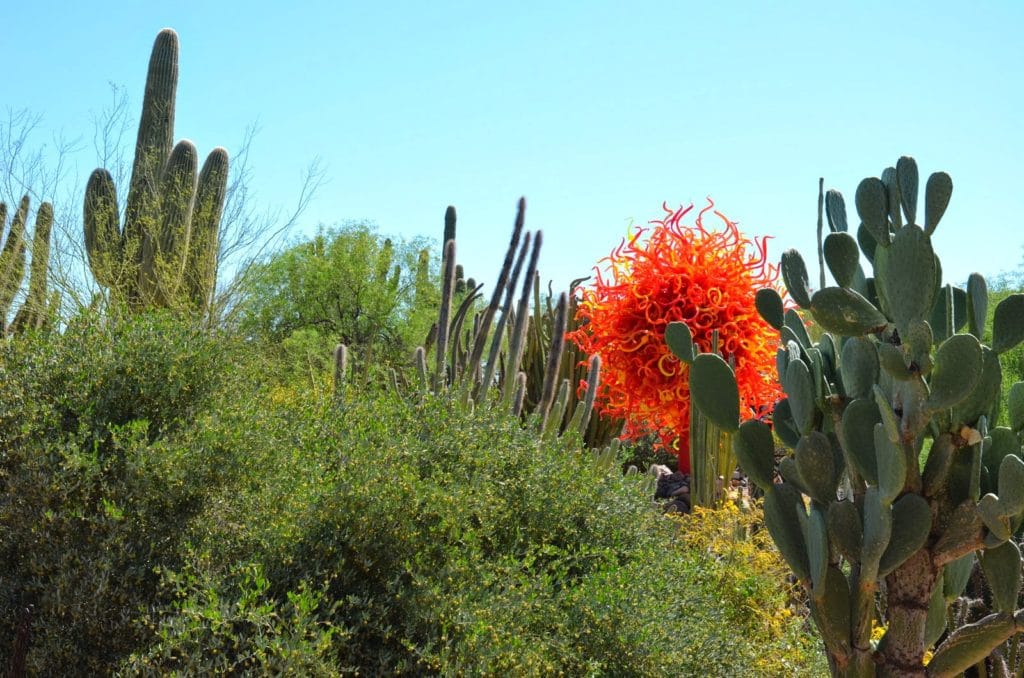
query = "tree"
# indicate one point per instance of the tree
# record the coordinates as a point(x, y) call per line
point(349, 285)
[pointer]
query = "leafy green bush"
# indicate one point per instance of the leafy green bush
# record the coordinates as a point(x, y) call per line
point(92, 497)
point(453, 543)
point(349, 285)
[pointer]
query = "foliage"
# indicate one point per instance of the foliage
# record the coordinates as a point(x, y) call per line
point(92, 496)
point(678, 273)
point(349, 286)
point(443, 541)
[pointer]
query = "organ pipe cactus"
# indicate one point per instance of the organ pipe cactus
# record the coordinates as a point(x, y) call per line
point(165, 253)
point(899, 475)
point(33, 312)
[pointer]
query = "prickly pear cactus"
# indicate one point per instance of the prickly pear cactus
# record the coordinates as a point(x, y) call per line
point(899, 476)
point(165, 254)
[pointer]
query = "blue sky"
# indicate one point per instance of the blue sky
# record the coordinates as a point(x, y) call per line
point(595, 111)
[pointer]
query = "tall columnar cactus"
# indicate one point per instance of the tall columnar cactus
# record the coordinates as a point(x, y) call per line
point(33, 312)
point(166, 252)
point(899, 476)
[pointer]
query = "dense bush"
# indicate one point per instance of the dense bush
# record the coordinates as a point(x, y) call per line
point(164, 512)
point(434, 541)
point(92, 497)
point(349, 285)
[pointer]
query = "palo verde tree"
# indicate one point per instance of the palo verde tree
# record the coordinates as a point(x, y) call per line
point(165, 254)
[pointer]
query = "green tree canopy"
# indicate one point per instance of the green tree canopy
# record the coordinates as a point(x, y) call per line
point(349, 285)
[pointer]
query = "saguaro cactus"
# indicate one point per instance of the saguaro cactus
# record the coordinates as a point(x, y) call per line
point(12, 266)
point(899, 475)
point(166, 253)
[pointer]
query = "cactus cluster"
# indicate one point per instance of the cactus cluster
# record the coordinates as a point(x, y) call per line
point(34, 313)
point(165, 254)
point(899, 476)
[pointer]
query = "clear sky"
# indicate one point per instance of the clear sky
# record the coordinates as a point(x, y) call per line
point(597, 112)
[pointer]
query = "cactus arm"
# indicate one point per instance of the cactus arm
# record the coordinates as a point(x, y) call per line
point(165, 243)
point(155, 136)
point(103, 241)
point(12, 260)
point(201, 265)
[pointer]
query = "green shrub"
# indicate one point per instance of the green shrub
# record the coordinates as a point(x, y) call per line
point(92, 496)
point(455, 543)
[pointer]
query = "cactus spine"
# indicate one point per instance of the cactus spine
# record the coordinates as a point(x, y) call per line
point(892, 380)
point(165, 255)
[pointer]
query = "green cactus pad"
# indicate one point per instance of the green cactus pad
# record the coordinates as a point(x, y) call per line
point(984, 398)
point(769, 305)
point(956, 575)
point(714, 392)
point(800, 389)
point(858, 367)
point(977, 304)
point(858, 437)
point(755, 451)
point(794, 274)
point(845, 312)
point(1000, 442)
point(992, 516)
point(891, 463)
point(892, 425)
point(781, 504)
point(937, 466)
point(812, 525)
point(919, 340)
point(785, 427)
point(958, 363)
point(936, 198)
point(906, 176)
point(795, 324)
point(935, 622)
point(1015, 407)
point(911, 522)
point(1008, 323)
point(1010, 483)
point(842, 256)
point(1003, 574)
point(969, 645)
point(906, 275)
point(892, 197)
point(845, 529)
point(873, 207)
point(877, 531)
point(816, 466)
point(835, 211)
point(790, 474)
point(867, 243)
point(833, 610)
point(680, 341)
point(939, 318)
point(894, 361)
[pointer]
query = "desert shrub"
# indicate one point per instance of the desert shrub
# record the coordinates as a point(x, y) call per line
point(92, 495)
point(446, 542)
